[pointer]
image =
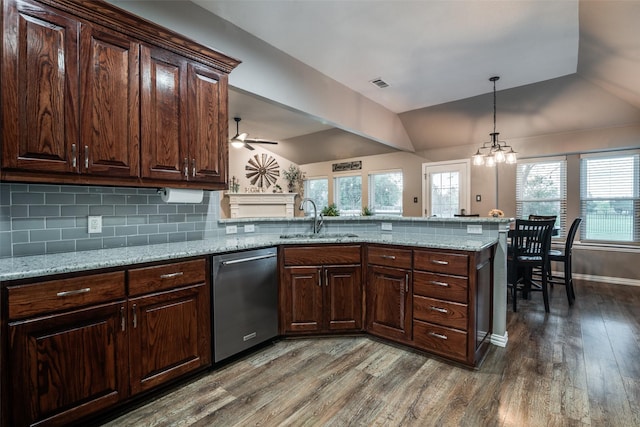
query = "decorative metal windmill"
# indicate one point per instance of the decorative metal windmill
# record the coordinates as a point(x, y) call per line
point(263, 170)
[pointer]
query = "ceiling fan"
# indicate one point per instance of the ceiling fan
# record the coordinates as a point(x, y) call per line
point(240, 139)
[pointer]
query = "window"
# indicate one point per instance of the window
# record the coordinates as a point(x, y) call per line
point(316, 189)
point(541, 189)
point(609, 197)
point(385, 193)
point(446, 188)
point(348, 194)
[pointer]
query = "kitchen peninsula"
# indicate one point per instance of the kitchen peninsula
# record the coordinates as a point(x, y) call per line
point(408, 254)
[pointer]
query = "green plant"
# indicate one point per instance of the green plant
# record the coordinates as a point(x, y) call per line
point(366, 211)
point(331, 210)
point(293, 175)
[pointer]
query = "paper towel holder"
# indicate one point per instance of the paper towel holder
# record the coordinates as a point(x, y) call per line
point(179, 195)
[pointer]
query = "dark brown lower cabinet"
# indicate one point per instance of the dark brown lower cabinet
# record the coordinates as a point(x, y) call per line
point(67, 366)
point(80, 345)
point(322, 298)
point(169, 335)
point(320, 289)
point(389, 302)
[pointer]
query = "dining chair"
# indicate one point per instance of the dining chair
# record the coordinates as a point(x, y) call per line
point(564, 257)
point(534, 217)
point(530, 245)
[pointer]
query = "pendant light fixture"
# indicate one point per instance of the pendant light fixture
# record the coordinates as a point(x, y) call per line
point(494, 151)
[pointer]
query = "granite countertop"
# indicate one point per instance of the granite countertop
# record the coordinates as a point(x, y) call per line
point(45, 265)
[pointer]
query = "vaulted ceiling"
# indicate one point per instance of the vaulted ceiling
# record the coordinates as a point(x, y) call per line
point(565, 65)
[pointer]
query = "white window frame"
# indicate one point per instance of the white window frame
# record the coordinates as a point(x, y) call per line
point(308, 210)
point(562, 198)
point(335, 193)
point(371, 189)
point(463, 166)
point(635, 197)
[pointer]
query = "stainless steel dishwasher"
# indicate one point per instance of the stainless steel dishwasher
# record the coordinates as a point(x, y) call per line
point(245, 300)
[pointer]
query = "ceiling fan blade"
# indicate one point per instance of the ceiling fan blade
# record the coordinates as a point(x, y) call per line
point(260, 141)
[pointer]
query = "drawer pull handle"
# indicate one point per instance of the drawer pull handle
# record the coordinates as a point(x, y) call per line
point(439, 309)
point(320, 277)
point(122, 320)
point(435, 282)
point(388, 256)
point(437, 261)
point(74, 292)
point(441, 336)
point(86, 157)
point(74, 156)
point(186, 167)
point(135, 316)
point(171, 275)
point(193, 167)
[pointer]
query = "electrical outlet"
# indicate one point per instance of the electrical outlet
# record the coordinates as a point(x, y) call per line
point(474, 229)
point(478, 198)
point(249, 228)
point(386, 226)
point(94, 224)
point(232, 229)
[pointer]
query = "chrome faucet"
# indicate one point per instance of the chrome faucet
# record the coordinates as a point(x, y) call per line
point(317, 225)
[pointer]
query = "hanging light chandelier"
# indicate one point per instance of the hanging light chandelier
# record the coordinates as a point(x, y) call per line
point(494, 151)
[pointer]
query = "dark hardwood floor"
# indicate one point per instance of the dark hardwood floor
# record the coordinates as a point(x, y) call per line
point(575, 366)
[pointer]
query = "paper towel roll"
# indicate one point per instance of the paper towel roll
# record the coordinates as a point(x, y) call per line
point(180, 195)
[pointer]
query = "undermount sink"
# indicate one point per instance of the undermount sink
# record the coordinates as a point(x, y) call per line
point(317, 236)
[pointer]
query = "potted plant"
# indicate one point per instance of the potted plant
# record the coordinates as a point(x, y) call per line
point(295, 179)
point(331, 210)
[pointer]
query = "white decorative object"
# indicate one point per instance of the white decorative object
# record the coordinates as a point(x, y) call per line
point(181, 195)
point(262, 205)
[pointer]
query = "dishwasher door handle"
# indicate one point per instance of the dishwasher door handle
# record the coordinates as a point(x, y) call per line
point(253, 258)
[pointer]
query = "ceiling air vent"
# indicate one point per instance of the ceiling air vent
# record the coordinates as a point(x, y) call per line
point(380, 83)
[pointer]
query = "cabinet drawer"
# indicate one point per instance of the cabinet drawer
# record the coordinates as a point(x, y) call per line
point(438, 339)
point(390, 257)
point(325, 255)
point(64, 294)
point(166, 276)
point(441, 262)
point(441, 286)
point(443, 313)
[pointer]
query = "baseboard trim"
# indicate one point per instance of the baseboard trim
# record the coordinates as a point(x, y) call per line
point(500, 340)
point(607, 279)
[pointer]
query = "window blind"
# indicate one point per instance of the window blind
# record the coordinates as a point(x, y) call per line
point(610, 197)
point(541, 189)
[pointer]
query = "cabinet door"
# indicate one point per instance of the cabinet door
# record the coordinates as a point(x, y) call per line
point(169, 335)
point(164, 114)
point(343, 302)
point(110, 104)
point(389, 302)
point(302, 311)
point(66, 366)
point(39, 89)
point(208, 125)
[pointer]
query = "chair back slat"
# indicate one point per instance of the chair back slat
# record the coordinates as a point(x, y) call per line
point(532, 238)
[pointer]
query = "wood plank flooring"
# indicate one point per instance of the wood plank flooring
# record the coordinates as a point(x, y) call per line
point(575, 366)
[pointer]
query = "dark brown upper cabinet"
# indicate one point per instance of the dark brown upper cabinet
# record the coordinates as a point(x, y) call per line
point(87, 92)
